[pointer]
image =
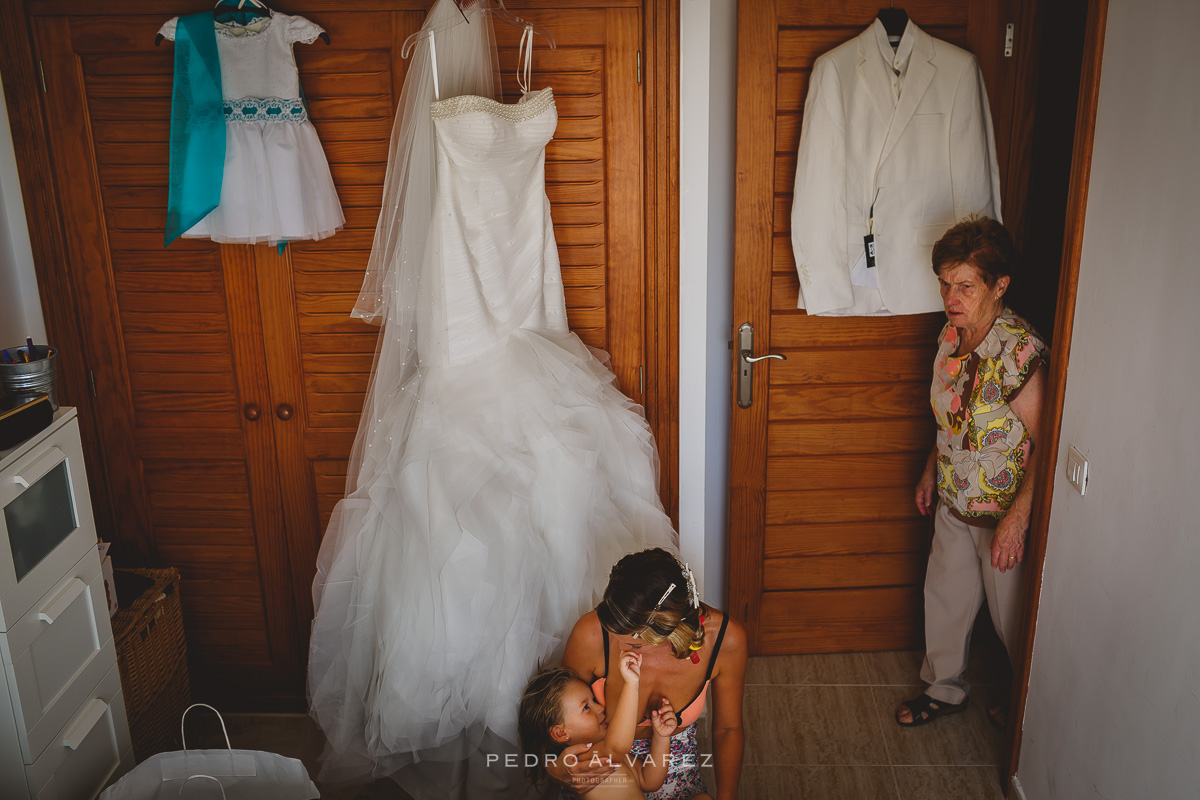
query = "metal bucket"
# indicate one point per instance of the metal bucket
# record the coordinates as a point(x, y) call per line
point(24, 382)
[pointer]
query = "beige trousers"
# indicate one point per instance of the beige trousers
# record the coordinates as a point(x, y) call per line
point(959, 578)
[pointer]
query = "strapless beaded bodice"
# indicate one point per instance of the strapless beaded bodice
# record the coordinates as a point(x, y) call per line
point(492, 223)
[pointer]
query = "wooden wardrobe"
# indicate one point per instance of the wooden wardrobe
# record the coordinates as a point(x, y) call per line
point(220, 386)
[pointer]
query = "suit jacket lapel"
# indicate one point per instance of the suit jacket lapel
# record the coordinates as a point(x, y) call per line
point(873, 74)
point(917, 78)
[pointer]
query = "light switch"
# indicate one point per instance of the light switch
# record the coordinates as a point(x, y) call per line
point(1077, 469)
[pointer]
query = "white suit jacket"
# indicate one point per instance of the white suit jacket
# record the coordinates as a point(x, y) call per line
point(930, 155)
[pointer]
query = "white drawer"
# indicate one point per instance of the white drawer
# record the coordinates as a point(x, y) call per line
point(59, 456)
point(90, 748)
point(58, 652)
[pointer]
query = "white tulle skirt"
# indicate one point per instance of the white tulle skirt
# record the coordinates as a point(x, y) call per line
point(276, 187)
point(494, 499)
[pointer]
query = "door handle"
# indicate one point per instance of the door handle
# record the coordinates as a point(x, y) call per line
point(746, 362)
point(283, 411)
point(251, 412)
point(755, 359)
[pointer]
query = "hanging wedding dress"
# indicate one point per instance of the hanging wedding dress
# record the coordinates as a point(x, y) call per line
point(498, 472)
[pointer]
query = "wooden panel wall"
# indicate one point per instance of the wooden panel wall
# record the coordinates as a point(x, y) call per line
point(229, 379)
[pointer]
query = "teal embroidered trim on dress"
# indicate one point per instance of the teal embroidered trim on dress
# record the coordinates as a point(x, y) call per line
point(265, 109)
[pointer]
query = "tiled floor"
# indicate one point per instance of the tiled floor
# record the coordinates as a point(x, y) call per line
point(818, 727)
point(823, 727)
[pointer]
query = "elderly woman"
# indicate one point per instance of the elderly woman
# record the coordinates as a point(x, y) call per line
point(689, 650)
point(987, 397)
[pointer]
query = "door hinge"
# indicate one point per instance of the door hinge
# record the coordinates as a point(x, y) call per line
point(641, 380)
point(1008, 40)
point(92, 381)
point(42, 72)
point(639, 67)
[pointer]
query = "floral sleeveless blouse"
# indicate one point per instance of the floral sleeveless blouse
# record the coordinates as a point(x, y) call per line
point(983, 448)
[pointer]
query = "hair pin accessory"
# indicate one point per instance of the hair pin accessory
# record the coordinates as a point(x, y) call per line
point(693, 593)
point(657, 606)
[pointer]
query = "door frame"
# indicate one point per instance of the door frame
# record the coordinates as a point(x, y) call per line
point(60, 308)
point(1060, 351)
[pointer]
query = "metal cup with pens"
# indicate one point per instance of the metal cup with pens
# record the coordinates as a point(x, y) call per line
point(27, 372)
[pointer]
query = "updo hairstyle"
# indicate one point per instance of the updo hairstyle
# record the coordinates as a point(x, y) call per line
point(635, 585)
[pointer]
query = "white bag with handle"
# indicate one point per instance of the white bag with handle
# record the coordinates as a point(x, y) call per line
point(238, 774)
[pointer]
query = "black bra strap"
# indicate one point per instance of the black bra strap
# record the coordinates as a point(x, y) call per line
point(717, 647)
point(605, 651)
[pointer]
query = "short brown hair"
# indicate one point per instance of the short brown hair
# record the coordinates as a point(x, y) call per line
point(981, 242)
point(635, 585)
point(542, 708)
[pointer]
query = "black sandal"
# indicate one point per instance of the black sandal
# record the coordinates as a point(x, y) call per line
point(926, 709)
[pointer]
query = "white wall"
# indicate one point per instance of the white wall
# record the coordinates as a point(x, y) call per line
point(1114, 695)
point(708, 74)
point(20, 308)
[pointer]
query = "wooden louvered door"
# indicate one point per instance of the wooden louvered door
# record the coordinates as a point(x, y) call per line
point(176, 350)
point(229, 379)
point(827, 549)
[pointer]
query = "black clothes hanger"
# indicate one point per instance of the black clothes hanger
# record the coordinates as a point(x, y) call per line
point(894, 20)
point(240, 12)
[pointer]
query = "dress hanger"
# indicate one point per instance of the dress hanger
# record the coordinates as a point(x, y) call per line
point(224, 12)
point(498, 12)
point(894, 20)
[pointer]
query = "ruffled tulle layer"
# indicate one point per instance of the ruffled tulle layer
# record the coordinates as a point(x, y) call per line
point(276, 187)
point(493, 500)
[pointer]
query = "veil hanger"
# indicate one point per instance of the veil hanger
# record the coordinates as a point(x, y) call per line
point(503, 14)
point(498, 12)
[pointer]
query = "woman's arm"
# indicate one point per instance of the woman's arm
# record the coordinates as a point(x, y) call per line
point(927, 486)
point(585, 655)
point(728, 685)
point(1008, 544)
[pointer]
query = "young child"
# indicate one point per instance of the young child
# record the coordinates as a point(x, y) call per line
point(558, 710)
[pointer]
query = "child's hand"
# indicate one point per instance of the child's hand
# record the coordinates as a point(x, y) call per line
point(663, 719)
point(631, 666)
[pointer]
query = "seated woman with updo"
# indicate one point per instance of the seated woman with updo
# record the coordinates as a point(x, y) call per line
point(688, 649)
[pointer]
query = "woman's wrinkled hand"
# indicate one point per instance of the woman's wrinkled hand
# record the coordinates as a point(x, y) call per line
point(1008, 543)
point(926, 493)
point(580, 769)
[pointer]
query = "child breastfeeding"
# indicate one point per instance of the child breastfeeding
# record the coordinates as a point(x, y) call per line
point(558, 710)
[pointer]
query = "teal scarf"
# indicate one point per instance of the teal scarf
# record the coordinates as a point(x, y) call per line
point(197, 126)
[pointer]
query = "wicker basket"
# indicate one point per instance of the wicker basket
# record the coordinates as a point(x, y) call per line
point(152, 657)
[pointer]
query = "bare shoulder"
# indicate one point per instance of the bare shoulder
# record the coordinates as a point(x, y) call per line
point(733, 646)
point(585, 647)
